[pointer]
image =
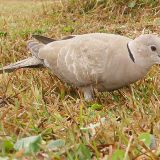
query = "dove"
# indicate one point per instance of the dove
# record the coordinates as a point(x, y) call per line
point(101, 61)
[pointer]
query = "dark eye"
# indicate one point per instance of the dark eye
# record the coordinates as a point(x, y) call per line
point(153, 48)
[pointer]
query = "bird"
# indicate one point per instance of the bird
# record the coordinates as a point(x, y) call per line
point(101, 61)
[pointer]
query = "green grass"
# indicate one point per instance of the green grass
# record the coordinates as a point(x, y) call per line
point(34, 102)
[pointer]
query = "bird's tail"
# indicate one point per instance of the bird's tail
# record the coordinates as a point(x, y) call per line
point(31, 62)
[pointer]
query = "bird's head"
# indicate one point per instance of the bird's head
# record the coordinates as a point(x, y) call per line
point(146, 50)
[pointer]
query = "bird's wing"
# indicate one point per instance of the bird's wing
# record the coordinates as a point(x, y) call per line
point(78, 61)
point(46, 40)
point(43, 39)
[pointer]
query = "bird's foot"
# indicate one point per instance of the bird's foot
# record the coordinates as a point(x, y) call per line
point(88, 93)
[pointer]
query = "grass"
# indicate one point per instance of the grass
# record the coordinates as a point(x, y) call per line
point(34, 102)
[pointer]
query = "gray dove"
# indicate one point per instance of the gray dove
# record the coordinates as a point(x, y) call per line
point(98, 60)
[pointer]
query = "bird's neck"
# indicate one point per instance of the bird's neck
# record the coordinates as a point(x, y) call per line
point(136, 54)
point(138, 64)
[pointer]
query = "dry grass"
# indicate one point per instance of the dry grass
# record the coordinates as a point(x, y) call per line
point(34, 102)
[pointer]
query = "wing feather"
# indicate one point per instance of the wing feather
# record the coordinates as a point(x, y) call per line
point(78, 61)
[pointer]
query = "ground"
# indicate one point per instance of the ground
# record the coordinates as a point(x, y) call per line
point(124, 124)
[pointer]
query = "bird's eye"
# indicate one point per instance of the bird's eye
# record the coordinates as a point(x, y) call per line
point(153, 48)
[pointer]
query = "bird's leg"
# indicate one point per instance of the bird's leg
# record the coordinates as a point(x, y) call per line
point(88, 93)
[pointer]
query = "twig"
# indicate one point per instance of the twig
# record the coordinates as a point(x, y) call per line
point(128, 147)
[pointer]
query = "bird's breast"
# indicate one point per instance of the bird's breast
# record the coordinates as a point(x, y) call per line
point(120, 75)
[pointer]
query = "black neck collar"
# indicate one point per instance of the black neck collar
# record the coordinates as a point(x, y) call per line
point(130, 54)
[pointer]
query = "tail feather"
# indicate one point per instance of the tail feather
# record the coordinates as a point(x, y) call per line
point(31, 62)
point(34, 47)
